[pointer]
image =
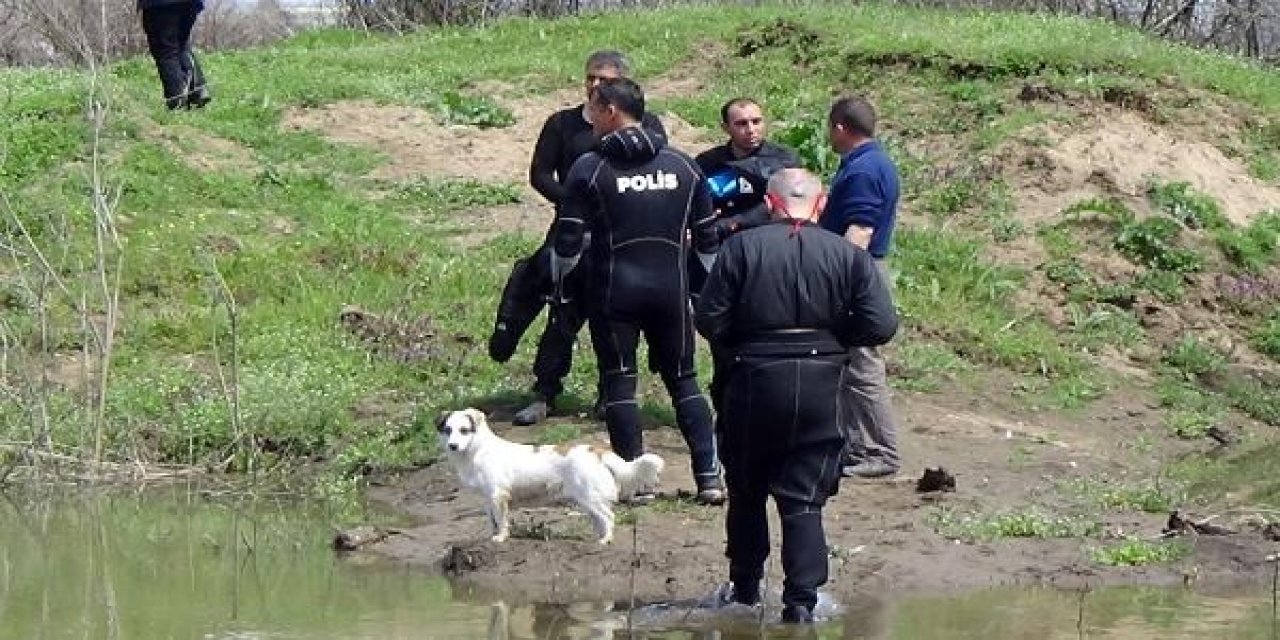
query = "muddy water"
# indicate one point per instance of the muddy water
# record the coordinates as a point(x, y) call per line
point(182, 563)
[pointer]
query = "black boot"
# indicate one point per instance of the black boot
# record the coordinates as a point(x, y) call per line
point(796, 614)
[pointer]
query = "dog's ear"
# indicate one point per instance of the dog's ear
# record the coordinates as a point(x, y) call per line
point(444, 415)
point(477, 418)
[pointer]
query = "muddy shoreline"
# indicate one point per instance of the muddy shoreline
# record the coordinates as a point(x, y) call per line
point(882, 534)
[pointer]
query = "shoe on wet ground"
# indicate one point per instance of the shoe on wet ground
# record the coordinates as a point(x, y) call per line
point(533, 414)
point(868, 469)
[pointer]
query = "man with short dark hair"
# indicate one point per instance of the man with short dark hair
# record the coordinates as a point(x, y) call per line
point(863, 207)
point(787, 301)
point(565, 136)
point(738, 171)
point(639, 199)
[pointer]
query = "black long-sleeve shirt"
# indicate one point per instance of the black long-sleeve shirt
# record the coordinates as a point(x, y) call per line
point(565, 136)
point(640, 199)
point(779, 277)
point(738, 184)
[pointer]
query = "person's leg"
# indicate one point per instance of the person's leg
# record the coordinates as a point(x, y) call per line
point(163, 28)
point(867, 416)
point(615, 345)
point(807, 476)
point(197, 90)
point(671, 351)
point(747, 480)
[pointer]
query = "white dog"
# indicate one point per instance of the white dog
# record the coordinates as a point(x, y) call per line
point(503, 472)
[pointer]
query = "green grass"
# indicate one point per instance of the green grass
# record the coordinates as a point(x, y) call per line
point(297, 229)
point(1160, 496)
point(1030, 523)
point(1136, 552)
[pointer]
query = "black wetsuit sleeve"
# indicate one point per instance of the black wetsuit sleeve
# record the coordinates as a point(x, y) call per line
point(714, 314)
point(702, 217)
point(871, 319)
point(546, 155)
point(779, 158)
point(571, 215)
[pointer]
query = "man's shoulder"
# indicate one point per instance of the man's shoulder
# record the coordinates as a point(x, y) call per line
point(714, 157)
point(565, 116)
point(675, 154)
point(771, 149)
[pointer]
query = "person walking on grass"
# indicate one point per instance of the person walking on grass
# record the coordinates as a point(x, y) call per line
point(863, 207)
point(168, 25)
point(640, 200)
point(787, 302)
point(565, 136)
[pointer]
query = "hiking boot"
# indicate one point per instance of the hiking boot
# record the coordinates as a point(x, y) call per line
point(745, 593)
point(198, 97)
point(711, 492)
point(796, 614)
point(641, 498)
point(533, 414)
point(868, 469)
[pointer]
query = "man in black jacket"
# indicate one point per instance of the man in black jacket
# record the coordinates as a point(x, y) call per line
point(787, 300)
point(168, 25)
point(640, 199)
point(565, 136)
point(738, 173)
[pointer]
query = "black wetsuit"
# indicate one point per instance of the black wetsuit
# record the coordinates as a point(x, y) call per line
point(738, 184)
point(565, 136)
point(785, 302)
point(737, 189)
point(639, 200)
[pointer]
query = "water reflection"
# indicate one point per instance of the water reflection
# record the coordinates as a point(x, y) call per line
point(178, 563)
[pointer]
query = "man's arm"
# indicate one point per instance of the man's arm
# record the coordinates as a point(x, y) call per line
point(778, 158)
point(713, 316)
point(546, 154)
point(702, 220)
point(570, 228)
point(871, 319)
point(853, 208)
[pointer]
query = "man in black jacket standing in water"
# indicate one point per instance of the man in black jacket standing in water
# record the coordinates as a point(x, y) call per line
point(786, 301)
point(639, 199)
point(565, 136)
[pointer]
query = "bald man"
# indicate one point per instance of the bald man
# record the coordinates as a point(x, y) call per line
point(786, 301)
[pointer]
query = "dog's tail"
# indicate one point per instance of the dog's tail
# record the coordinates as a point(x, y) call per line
point(641, 474)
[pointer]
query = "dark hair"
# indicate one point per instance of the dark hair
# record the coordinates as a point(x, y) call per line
point(609, 58)
point(736, 102)
point(622, 93)
point(854, 114)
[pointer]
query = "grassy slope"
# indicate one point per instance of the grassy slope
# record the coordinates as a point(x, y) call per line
point(299, 232)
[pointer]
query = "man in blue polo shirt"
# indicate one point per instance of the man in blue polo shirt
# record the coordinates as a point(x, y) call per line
point(862, 206)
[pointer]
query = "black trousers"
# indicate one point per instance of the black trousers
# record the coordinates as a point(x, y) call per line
point(668, 330)
point(168, 30)
point(780, 437)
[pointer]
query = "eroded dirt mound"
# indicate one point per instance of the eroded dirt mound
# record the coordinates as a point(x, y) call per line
point(1117, 153)
point(418, 146)
point(203, 151)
